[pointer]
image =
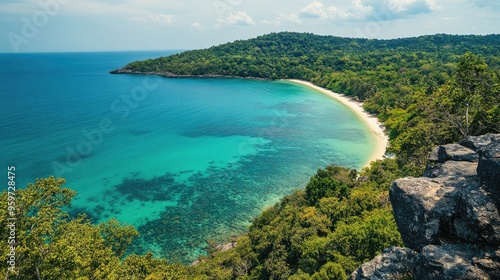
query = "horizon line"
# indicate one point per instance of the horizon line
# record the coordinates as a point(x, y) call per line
point(227, 42)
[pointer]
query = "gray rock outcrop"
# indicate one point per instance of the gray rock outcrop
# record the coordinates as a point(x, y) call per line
point(449, 219)
point(393, 263)
point(457, 261)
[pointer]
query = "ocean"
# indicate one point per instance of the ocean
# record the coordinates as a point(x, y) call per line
point(183, 160)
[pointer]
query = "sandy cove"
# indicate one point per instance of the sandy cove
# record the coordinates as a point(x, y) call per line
point(373, 123)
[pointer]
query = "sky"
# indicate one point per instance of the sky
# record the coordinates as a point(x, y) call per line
point(120, 25)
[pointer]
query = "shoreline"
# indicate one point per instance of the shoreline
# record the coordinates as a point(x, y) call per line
point(172, 75)
point(376, 127)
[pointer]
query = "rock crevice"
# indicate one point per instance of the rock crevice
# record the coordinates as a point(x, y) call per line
point(448, 219)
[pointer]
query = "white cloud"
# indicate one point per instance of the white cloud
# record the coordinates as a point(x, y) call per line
point(283, 19)
point(359, 9)
point(161, 18)
point(238, 18)
point(337, 13)
point(154, 19)
point(356, 11)
point(411, 6)
point(314, 10)
point(293, 18)
point(198, 25)
point(369, 9)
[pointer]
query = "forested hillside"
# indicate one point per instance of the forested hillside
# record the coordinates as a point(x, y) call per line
point(401, 80)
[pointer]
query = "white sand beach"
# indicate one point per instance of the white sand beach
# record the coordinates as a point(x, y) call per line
point(375, 126)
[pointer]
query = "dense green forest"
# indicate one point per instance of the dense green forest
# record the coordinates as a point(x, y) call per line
point(427, 90)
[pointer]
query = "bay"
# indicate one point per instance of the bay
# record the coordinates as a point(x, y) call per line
point(183, 160)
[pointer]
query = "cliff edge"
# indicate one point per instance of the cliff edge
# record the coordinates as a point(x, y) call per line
point(449, 218)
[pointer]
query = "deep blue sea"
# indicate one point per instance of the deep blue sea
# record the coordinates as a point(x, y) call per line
point(183, 160)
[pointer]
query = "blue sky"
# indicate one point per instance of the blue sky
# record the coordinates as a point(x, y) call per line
point(98, 25)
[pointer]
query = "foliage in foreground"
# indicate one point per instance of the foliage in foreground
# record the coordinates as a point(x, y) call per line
point(51, 245)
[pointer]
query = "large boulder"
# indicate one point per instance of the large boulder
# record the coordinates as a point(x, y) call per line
point(457, 262)
point(454, 169)
point(454, 152)
point(423, 209)
point(393, 263)
point(489, 168)
point(476, 142)
point(478, 219)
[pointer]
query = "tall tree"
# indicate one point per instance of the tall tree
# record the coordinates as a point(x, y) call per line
point(469, 102)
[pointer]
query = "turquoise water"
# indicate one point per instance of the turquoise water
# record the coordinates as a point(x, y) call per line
point(183, 160)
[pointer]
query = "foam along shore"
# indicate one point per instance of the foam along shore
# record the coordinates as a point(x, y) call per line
point(373, 123)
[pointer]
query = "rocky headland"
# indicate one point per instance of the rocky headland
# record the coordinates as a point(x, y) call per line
point(448, 219)
point(173, 75)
